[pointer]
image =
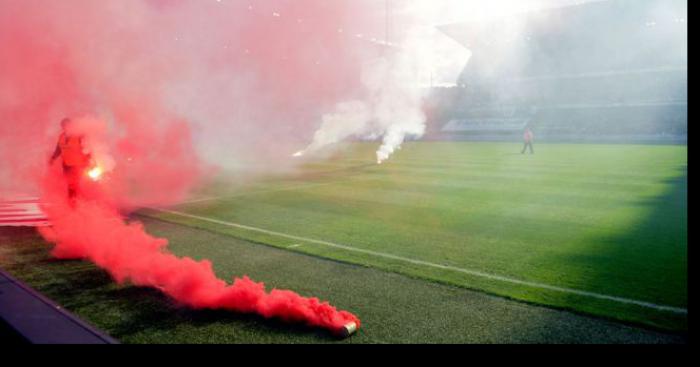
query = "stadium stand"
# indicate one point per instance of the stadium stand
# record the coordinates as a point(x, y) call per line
point(571, 76)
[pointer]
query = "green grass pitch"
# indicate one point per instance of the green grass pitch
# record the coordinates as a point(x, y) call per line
point(596, 229)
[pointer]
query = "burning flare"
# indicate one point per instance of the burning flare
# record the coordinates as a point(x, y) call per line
point(95, 173)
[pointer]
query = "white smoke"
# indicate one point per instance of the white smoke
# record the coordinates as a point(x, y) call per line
point(348, 118)
point(422, 57)
point(395, 85)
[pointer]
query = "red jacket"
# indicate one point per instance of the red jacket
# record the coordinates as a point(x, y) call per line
point(71, 150)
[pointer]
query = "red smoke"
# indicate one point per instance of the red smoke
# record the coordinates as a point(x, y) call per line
point(162, 82)
point(90, 230)
point(250, 86)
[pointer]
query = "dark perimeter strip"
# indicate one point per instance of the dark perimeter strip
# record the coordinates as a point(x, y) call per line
point(33, 318)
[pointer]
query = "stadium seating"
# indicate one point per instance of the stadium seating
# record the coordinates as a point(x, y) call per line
point(575, 83)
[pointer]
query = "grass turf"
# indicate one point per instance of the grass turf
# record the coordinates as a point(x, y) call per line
point(608, 219)
point(393, 308)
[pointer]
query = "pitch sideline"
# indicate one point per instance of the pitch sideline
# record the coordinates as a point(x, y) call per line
point(439, 266)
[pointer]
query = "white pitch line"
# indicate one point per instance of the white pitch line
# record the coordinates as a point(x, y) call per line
point(439, 266)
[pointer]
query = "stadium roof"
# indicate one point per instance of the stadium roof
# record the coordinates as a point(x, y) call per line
point(598, 36)
point(474, 33)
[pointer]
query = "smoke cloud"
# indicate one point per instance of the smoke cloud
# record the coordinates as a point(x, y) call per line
point(165, 92)
point(395, 83)
point(89, 229)
point(236, 84)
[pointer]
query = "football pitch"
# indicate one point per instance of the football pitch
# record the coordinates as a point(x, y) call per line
point(444, 242)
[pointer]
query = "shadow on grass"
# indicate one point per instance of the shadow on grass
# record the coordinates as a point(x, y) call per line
point(647, 262)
